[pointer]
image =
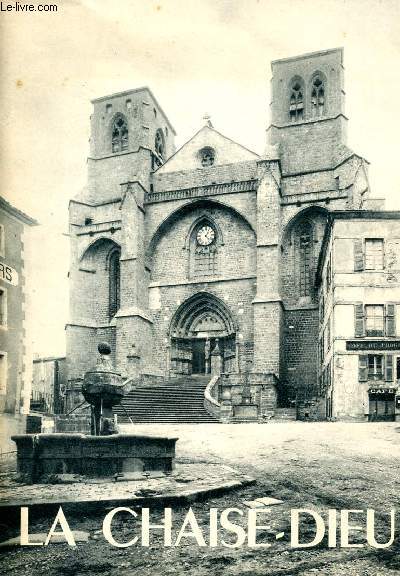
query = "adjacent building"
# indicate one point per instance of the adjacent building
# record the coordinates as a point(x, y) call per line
point(15, 350)
point(359, 303)
point(49, 385)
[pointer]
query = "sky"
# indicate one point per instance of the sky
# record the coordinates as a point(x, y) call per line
point(197, 57)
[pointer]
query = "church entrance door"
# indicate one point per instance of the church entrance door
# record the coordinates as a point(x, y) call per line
point(198, 356)
point(203, 337)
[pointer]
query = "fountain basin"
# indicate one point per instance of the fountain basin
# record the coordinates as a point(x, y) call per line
point(43, 455)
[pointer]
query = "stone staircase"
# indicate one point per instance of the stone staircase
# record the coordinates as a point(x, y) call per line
point(284, 414)
point(176, 401)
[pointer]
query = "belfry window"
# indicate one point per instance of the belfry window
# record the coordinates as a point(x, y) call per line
point(296, 106)
point(305, 258)
point(120, 135)
point(114, 283)
point(318, 97)
point(159, 145)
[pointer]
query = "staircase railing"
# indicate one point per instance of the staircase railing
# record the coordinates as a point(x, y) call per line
point(211, 404)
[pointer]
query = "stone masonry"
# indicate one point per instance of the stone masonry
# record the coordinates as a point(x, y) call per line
point(212, 249)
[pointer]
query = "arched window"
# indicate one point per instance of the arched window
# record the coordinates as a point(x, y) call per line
point(296, 104)
point(305, 258)
point(318, 97)
point(114, 283)
point(120, 134)
point(159, 145)
point(204, 250)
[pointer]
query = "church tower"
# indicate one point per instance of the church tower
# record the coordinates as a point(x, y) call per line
point(319, 173)
point(307, 110)
point(130, 138)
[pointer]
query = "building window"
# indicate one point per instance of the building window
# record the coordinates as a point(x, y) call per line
point(207, 156)
point(120, 134)
point(374, 254)
point(304, 235)
point(375, 367)
point(3, 307)
point(317, 97)
point(296, 105)
point(114, 282)
point(3, 373)
point(159, 145)
point(374, 320)
point(2, 241)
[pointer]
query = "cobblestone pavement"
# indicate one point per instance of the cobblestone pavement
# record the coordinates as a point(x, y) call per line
point(307, 465)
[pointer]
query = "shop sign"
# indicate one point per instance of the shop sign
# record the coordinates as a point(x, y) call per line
point(8, 274)
point(382, 391)
point(373, 345)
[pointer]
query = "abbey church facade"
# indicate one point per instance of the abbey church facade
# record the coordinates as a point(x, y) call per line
point(203, 260)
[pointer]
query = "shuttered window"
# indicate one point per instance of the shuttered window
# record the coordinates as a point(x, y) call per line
point(363, 368)
point(359, 320)
point(389, 368)
point(374, 254)
point(374, 320)
point(358, 255)
point(390, 320)
point(375, 367)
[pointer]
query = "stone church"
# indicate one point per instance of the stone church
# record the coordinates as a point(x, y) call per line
point(199, 264)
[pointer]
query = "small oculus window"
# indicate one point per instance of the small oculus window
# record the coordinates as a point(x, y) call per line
point(207, 156)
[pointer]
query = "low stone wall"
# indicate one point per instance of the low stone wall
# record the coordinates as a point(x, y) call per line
point(211, 403)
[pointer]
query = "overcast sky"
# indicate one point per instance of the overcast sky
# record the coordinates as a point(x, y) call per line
point(197, 56)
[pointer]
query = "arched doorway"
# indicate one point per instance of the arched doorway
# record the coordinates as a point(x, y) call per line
point(202, 336)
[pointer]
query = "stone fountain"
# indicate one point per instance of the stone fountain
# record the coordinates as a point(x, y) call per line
point(104, 453)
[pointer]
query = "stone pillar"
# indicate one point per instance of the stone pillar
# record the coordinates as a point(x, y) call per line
point(216, 360)
point(226, 411)
point(267, 304)
point(134, 323)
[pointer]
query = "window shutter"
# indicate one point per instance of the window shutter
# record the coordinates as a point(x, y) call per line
point(358, 255)
point(389, 368)
point(363, 368)
point(390, 320)
point(359, 320)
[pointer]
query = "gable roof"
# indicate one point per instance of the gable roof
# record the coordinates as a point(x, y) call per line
point(226, 151)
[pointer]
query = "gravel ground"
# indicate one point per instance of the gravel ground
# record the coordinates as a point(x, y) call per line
point(307, 465)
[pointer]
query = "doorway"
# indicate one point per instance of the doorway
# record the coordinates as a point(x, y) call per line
point(381, 407)
point(198, 356)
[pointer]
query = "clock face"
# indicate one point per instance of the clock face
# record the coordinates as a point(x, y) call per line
point(205, 236)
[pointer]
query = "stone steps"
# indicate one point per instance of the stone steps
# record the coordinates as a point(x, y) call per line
point(284, 414)
point(176, 401)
